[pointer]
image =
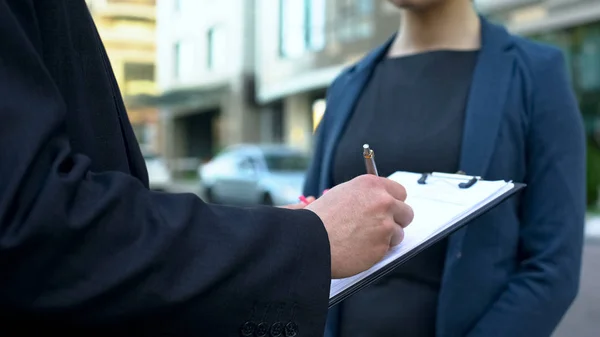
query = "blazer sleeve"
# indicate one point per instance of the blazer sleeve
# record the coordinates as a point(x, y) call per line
point(552, 214)
point(98, 251)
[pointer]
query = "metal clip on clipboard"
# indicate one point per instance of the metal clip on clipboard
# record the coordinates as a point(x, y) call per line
point(458, 176)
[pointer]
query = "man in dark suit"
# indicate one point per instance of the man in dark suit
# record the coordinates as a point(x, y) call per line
point(86, 248)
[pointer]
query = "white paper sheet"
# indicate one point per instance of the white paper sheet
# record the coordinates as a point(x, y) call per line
point(437, 205)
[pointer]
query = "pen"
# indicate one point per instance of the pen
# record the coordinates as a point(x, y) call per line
point(369, 160)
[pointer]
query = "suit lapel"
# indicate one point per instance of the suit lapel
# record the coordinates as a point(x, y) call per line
point(343, 100)
point(487, 98)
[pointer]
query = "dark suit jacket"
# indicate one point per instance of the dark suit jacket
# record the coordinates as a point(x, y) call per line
point(87, 248)
point(515, 271)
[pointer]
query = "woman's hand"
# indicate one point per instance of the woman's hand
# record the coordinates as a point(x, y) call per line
point(301, 204)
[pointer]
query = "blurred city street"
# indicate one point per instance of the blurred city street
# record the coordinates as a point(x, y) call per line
point(225, 98)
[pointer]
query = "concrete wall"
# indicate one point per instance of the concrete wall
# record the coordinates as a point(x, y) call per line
point(189, 26)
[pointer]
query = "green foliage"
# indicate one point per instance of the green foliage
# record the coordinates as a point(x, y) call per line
point(593, 173)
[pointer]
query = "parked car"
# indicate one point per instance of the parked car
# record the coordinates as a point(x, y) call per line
point(254, 174)
point(159, 174)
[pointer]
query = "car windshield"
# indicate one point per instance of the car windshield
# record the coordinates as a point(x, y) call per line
point(286, 161)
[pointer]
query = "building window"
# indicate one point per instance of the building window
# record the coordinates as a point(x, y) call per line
point(316, 24)
point(355, 20)
point(210, 48)
point(365, 7)
point(215, 47)
point(183, 60)
point(177, 60)
point(292, 34)
point(302, 27)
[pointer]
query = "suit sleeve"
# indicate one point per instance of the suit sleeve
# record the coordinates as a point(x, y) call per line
point(98, 251)
point(552, 214)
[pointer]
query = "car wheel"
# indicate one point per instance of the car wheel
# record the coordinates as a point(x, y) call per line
point(267, 200)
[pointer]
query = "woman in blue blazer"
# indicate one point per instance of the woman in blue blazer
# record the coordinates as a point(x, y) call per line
point(496, 106)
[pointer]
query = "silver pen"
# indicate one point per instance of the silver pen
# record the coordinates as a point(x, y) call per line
point(370, 160)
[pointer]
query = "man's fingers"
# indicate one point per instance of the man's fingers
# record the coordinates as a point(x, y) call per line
point(395, 189)
point(397, 236)
point(403, 214)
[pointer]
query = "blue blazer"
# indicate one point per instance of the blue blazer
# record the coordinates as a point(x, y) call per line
point(515, 271)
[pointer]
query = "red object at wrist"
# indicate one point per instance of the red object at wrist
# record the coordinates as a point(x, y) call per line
point(304, 200)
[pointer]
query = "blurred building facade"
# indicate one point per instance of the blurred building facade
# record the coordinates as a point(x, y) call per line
point(206, 75)
point(127, 28)
point(233, 71)
point(303, 44)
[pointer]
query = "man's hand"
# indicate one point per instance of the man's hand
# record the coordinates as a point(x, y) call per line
point(363, 217)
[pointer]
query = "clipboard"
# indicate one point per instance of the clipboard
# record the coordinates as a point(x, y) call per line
point(459, 182)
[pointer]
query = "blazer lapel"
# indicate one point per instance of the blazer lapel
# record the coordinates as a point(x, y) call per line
point(487, 97)
point(485, 107)
point(343, 100)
